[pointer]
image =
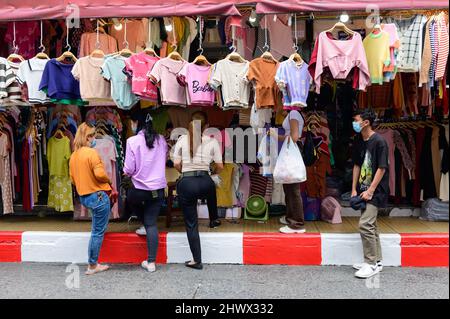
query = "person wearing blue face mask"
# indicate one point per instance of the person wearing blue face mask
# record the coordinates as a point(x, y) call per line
point(371, 184)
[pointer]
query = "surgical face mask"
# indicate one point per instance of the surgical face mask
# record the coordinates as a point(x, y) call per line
point(357, 127)
point(93, 143)
point(134, 128)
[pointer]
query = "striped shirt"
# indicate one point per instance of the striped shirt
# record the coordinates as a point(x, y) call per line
point(442, 55)
point(7, 77)
point(434, 51)
point(14, 90)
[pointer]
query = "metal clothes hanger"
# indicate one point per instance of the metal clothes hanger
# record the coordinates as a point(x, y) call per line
point(201, 59)
point(14, 56)
point(174, 55)
point(149, 47)
point(126, 52)
point(267, 55)
point(67, 54)
point(234, 55)
point(42, 54)
point(98, 52)
point(295, 56)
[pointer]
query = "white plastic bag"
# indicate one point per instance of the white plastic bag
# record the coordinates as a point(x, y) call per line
point(267, 155)
point(289, 168)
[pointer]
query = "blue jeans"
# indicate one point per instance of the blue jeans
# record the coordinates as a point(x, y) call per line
point(100, 206)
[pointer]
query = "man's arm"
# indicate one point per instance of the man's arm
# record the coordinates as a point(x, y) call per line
point(356, 172)
point(367, 195)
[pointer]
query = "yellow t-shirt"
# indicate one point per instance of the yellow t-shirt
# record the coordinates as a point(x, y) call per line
point(58, 155)
point(378, 54)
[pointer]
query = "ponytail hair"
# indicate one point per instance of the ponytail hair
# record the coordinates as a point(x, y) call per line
point(145, 123)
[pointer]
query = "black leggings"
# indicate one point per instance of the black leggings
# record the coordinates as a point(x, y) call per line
point(190, 190)
point(147, 209)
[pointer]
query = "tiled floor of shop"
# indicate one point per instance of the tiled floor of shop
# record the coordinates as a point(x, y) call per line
point(349, 225)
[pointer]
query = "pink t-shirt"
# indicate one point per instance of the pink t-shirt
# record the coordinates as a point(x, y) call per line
point(138, 66)
point(165, 73)
point(195, 78)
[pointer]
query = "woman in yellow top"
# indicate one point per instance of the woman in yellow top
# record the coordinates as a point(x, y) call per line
point(88, 174)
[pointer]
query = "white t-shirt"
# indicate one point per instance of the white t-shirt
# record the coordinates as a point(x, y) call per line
point(30, 72)
point(293, 115)
point(206, 153)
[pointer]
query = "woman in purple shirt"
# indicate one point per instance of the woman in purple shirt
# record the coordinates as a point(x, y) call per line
point(145, 163)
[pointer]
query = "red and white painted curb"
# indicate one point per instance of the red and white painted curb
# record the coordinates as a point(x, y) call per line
point(407, 250)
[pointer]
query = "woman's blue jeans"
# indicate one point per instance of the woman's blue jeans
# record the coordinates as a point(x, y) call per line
point(100, 206)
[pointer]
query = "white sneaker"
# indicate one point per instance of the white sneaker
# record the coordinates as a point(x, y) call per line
point(141, 231)
point(288, 230)
point(367, 271)
point(359, 266)
point(283, 220)
point(150, 267)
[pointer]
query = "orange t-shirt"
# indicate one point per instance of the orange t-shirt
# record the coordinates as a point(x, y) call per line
point(262, 72)
point(87, 172)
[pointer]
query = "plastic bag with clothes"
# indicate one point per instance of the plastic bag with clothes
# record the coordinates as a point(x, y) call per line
point(289, 168)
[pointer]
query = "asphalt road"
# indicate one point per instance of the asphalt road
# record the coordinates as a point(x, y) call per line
point(33, 280)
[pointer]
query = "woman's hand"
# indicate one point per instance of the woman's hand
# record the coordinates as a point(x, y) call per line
point(113, 197)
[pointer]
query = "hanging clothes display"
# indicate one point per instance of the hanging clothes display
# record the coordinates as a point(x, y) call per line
point(137, 67)
point(112, 70)
point(377, 47)
point(60, 187)
point(5, 176)
point(229, 77)
point(262, 73)
point(340, 57)
point(164, 73)
point(195, 78)
point(59, 84)
point(410, 33)
point(43, 100)
point(93, 86)
point(294, 82)
point(30, 74)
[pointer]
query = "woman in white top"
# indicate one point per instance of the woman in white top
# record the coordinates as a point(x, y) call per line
point(195, 182)
point(294, 219)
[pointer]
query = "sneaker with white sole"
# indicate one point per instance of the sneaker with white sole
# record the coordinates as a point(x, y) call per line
point(283, 220)
point(359, 266)
point(367, 271)
point(288, 230)
point(150, 267)
point(141, 231)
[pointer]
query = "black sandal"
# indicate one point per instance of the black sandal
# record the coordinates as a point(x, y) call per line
point(198, 266)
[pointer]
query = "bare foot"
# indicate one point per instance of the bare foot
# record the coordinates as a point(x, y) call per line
point(96, 269)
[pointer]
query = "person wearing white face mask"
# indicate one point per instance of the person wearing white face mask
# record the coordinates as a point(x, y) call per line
point(371, 184)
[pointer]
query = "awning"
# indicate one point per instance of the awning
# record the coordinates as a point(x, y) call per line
point(288, 6)
point(14, 10)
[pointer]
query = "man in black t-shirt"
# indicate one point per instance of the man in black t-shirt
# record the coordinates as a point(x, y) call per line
point(371, 183)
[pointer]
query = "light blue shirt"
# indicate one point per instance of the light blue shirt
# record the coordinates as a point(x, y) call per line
point(112, 70)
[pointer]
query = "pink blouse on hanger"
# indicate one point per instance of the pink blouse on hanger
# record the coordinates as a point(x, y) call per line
point(341, 56)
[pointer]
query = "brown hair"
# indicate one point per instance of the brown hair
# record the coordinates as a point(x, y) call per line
point(83, 131)
point(197, 116)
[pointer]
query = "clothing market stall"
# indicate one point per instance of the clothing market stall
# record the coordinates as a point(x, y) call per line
point(243, 64)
